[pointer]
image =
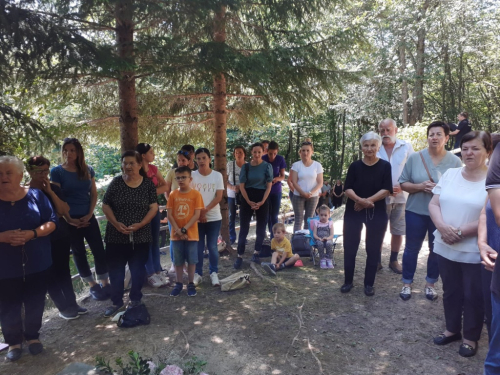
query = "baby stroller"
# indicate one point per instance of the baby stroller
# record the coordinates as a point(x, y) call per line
point(314, 250)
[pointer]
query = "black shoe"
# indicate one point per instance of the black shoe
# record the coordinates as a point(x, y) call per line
point(443, 340)
point(81, 310)
point(369, 290)
point(14, 354)
point(237, 263)
point(467, 351)
point(69, 314)
point(97, 293)
point(106, 290)
point(379, 267)
point(35, 348)
point(111, 310)
point(132, 304)
point(255, 258)
point(346, 288)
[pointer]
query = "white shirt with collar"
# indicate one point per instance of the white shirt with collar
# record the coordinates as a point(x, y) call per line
point(400, 153)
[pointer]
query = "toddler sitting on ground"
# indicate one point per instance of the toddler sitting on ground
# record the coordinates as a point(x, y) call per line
point(282, 251)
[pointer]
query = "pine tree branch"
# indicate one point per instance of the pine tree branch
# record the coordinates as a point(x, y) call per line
point(184, 115)
point(69, 18)
point(190, 122)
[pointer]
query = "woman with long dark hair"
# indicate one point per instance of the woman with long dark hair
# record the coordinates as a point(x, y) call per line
point(255, 184)
point(77, 182)
point(153, 265)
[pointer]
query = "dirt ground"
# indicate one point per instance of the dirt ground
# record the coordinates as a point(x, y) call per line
point(296, 323)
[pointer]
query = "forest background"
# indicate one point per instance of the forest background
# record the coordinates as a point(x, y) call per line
point(218, 73)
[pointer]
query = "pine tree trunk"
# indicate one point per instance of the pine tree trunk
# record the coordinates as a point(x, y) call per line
point(404, 81)
point(126, 84)
point(343, 147)
point(417, 111)
point(220, 126)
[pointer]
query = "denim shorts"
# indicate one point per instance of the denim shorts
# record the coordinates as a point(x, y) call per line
point(185, 251)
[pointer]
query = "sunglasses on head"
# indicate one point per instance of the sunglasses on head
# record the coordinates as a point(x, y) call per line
point(306, 144)
point(184, 153)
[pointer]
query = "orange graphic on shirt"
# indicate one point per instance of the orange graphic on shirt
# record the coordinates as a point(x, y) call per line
point(182, 211)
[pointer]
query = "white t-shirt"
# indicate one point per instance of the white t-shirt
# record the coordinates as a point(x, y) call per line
point(461, 202)
point(237, 171)
point(306, 176)
point(208, 186)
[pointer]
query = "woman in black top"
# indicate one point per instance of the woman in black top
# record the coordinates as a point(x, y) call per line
point(60, 285)
point(129, 205)
point(367, 183)
point(337, 193)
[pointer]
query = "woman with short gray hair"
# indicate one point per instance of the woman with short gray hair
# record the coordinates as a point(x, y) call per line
point(367, 184)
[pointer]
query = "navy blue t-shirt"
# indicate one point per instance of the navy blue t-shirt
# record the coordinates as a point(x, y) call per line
point(26, 214)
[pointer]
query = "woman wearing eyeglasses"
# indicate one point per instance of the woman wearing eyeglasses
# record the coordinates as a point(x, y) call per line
point(153, 265)
point(211, 186)
point(307, 180)
point(130, 203)
point(77, 182)
point(60, 285)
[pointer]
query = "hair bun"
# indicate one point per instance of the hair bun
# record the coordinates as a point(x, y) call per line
point(308, 140)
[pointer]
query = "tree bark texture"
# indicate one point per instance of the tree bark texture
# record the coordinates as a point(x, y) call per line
point(404, 81)
point(129, 136)
point(220, 125)
point(417, 110)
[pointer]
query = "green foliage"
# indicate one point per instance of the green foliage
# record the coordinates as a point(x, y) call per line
point(105, 160)
point(135, 366)
point(194, 366)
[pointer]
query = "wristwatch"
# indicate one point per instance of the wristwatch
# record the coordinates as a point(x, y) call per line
point(459, 233)
point(184, 230)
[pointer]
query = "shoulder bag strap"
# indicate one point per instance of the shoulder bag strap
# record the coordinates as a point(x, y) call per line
point(425, 166)
point(234, 173)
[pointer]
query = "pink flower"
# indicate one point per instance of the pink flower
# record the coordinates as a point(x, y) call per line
point(172, 370)
point(152, 366)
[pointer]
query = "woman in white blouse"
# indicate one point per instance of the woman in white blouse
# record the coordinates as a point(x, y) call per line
point(307, 180)
point(455, 207)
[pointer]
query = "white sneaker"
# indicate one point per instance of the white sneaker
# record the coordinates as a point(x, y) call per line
point(215, 279)
point(155, 281)
point(164, 280)
point(172, 269)
point(196, 279)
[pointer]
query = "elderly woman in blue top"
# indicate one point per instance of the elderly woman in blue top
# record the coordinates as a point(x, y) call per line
point(256, 180)
point(26, 220)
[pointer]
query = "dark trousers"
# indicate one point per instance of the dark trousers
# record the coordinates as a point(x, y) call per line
point(274, 211)
point(59, 284)
point(492, 362)
point(93, 236)
point(375, 231)
point(232, 218)
point(16, 292)
point(118, 255)
point(486, 286)
point(246, 213)
point(462, 292)
point(337, 202)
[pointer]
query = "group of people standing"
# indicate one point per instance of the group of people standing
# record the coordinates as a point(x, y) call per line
point(417, 194)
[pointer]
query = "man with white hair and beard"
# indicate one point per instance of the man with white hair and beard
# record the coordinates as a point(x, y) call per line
point(396, 152)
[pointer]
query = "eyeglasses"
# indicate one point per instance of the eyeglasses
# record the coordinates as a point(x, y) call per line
point(181, 178)
point(132, 164)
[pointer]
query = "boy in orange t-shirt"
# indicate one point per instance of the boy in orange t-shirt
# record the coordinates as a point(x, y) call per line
point(183, 208)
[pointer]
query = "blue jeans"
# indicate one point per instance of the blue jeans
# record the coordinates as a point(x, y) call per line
point(274, 210)
point(171, 249)
point(153, 264)
point(417, 226)
point(232, 218)
point(492, 362)
point(185, 251)
point(210, 232)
